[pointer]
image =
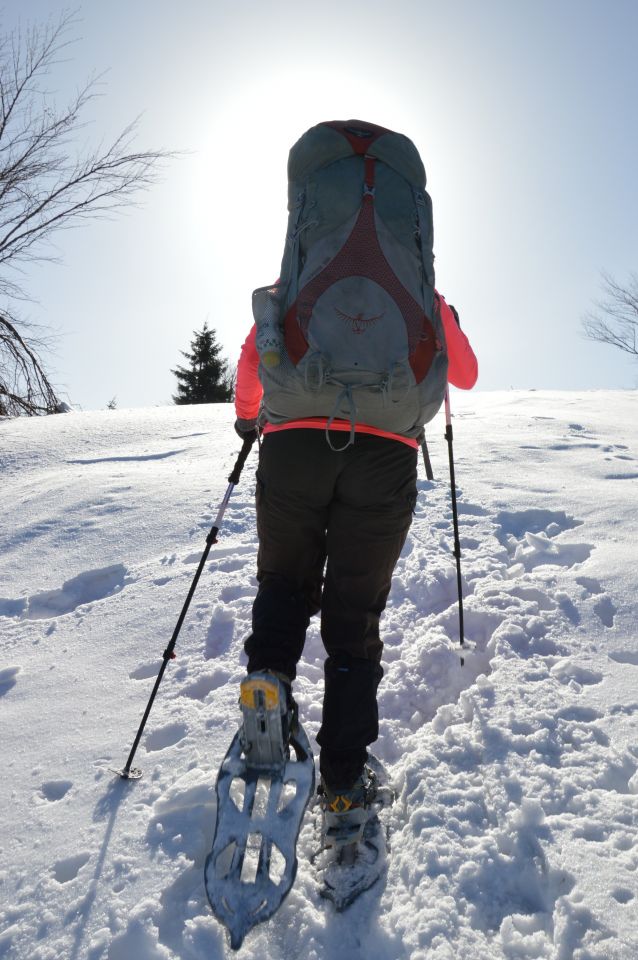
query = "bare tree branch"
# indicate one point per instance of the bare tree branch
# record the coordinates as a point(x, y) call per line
point(47, 185)
point(24, 386)
point(614, 319)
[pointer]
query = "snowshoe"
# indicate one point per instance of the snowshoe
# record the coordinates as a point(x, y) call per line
point(262, 794)
point(354, 840)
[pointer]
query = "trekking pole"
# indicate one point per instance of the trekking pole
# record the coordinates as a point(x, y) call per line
point(426, 459)
point(455, 515)
point(134, 773)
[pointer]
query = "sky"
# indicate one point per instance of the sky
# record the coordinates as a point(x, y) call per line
point(523, 113)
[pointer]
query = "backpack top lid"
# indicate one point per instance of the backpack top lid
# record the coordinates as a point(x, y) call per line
point(337, 139)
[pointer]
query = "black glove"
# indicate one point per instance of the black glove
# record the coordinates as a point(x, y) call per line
point(456, 315)
point(245, 428)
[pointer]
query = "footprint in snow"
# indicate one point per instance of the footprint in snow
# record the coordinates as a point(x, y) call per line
point(12, 608)
point(571, 445)
point(469, 543)
point(529, 538)
point(518, 524)
point(605, 611)
point(134, 458)
point(145, 671)
point(627, 709)
point(576, 714)
point(165, 737)
point(237, 592)
point(590, 586)
point(234, 564)
point(200, 688)
point(232, 552)
point(54, 790)
point(624, 842)
point(220, 632)
point(533, 595)
point(109, 505)
point(625, 656)
point(537, 549)
point(568, 670)
point(67, 869)
point(472, 510)
point(622, 895)
point(8, 679)
point(87, 587)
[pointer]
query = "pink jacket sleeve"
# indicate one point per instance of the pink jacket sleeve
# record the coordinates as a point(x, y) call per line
point(248, 388)
point(462, 363)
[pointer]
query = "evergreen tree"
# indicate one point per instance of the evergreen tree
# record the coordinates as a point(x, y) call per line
point(207, 379)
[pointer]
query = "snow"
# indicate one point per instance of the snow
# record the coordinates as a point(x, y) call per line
point(515, 834)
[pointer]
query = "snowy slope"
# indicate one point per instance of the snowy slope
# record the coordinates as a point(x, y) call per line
point(516, 830)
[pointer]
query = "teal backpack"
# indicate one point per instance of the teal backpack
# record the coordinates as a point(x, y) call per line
point(352, 329)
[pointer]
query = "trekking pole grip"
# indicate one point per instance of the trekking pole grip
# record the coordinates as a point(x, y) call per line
point(241, 459)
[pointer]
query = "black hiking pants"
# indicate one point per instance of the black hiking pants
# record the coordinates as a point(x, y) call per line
point(331, 526)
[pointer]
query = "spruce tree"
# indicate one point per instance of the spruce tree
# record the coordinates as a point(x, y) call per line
point(207, 378)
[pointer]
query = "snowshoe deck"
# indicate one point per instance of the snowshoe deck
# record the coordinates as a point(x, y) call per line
point(347, 870)
point(350, 870)
point(253, 863)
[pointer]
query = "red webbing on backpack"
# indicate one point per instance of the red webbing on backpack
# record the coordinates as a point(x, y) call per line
point(361, 255)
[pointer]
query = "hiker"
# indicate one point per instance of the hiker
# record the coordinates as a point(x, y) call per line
point(335, 491)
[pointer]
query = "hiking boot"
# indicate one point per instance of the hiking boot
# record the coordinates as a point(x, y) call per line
point(269, 718)
point(345, 813)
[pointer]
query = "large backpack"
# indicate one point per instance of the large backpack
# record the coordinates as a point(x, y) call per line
point(352, 329)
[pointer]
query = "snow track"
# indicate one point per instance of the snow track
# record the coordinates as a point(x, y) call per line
point(515, 834)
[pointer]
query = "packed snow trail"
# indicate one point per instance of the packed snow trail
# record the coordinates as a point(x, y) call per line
point(515, 832)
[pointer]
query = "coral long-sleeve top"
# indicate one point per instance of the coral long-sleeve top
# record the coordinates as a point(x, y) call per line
point(462, 372)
